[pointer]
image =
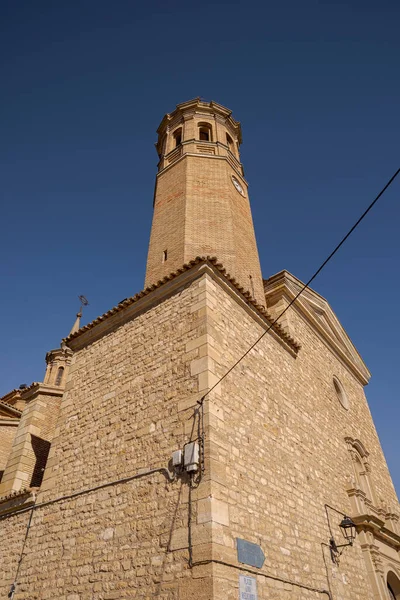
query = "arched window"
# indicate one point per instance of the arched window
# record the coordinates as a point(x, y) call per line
point(178, 136)
point(229, 142)
point(60, 374)
point(205, 132)
point(360, 474)
point(361, 467)
point(393, 586)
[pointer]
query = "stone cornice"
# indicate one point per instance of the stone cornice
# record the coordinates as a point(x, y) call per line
point(287, 285)
point(376, 525)
point(166, 287)
point(10, 409)
point(40, 388)
point(17, 500)
point(57, 352)
point(11, 422)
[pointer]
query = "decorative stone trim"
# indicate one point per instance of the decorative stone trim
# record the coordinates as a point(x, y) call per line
point(10, 408)
point(282, 288)
point(17, 500)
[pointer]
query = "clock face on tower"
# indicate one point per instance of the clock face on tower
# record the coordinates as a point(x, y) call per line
point(237, 185)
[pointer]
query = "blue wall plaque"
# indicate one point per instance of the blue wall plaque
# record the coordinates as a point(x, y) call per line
point(249, 553)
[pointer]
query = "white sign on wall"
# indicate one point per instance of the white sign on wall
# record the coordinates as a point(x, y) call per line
point(247, 588)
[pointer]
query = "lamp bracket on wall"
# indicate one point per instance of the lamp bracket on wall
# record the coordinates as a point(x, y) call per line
point(348, 530)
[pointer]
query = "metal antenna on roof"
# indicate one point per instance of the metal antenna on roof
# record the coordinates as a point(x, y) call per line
point(84, 302)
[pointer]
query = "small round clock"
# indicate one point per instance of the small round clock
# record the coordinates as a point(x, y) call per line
point(237, 185)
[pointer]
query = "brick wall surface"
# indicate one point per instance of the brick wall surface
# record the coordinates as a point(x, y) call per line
point(197, 209)
point(168, 228)
point(219, 222)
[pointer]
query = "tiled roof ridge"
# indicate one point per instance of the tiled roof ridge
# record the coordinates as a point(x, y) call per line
point(186, 267)
point(29, 387)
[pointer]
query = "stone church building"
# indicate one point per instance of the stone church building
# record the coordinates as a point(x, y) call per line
point(134, 471)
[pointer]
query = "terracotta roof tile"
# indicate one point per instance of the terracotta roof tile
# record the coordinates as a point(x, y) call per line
point(212, 260)
point(20, 392)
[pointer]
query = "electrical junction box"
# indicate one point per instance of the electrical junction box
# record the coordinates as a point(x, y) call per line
point(177, 458)
point(191, 456)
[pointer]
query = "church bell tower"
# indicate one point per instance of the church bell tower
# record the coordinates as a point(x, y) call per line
point(201, 202)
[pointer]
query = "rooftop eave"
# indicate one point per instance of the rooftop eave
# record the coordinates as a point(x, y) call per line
point(152, 294)
point(280, 284)
point(40, 388)
point(9, 408)
point(18, 500)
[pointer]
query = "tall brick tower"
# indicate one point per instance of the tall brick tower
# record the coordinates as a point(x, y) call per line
point(201, 203)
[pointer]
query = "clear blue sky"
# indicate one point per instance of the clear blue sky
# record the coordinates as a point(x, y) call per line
point(84, 87)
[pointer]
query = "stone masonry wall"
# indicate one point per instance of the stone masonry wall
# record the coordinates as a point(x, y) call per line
point(274, 456)
point(124, 409)
point(278, 455)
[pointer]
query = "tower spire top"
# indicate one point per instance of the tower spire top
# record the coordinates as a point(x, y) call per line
point(77, 323)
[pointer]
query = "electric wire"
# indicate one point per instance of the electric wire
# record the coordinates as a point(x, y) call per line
point(101, 486)
point(31, 509)
point(305, 286)
point(71, 496)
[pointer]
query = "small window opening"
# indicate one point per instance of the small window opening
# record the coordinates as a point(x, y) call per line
point(178, 137)
point(41, 448)
point(205, 132)
point(165, 255)
point(229, 142)
point(60, 374)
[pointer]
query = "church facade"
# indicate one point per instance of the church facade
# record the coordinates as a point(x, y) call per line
point(145, 466)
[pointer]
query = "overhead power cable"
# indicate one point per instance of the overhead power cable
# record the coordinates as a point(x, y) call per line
point(305, 286)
